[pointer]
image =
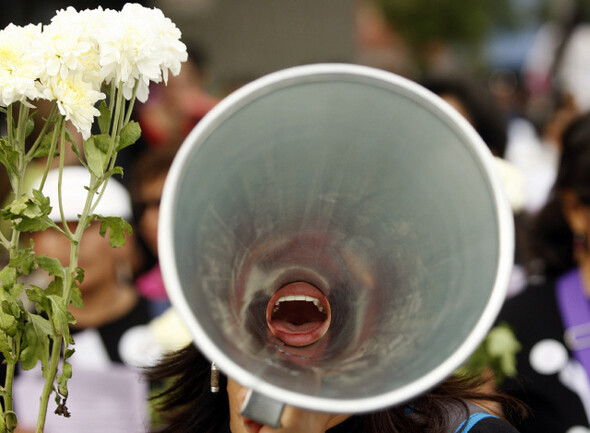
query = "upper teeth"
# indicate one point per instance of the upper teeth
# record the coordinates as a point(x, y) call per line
point(315, 301)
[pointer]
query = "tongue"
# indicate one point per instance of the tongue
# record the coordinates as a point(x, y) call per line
point(298, 323)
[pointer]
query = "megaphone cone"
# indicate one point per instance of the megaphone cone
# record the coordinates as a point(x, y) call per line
point(335, 238)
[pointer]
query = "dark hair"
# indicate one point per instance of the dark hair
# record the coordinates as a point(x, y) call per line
point(551, 239)
point(186, 404)
point(485, 114)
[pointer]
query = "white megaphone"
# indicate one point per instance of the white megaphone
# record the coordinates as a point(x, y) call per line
point(335, 238)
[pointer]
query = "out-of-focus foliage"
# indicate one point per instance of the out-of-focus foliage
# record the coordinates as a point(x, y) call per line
point(563, 11)
point(421, 22)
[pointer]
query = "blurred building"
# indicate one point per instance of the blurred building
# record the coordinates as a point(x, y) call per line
point(243, 40)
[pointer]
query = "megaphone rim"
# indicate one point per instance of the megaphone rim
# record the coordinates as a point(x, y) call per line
point(249, 380)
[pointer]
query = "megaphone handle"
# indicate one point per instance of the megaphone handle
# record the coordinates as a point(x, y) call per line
point(262, 409)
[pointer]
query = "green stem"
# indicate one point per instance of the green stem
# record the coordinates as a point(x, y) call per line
point(112, 99)
point(131, 103)
point(62, 153)
point(9, 380)
point(18, 177)
point(60, 125)
point(17, 185)
point(119, 112)
point(39, 139)
point(10, 124)
point(4, 241)
point(48, 387)
point(23, 118)
point(67, 292)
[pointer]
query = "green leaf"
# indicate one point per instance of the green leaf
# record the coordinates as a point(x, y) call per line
point(44, 146)
point(69, 137)
point(56, 287)
point(61, 317)
point(113, 171)
point(52, 265)
point(496, 353)
point(17, 207)
point(8, 277)
point(29, 213)
point(36, 342)
point(5, 348)
point(34, 224)
point(79, 275)
point(24, 260)
point(8, 323)
point(95, 155)
point(39, 297)
point(69, 352)
point(12, 308)
point(42, 202)
point(104, 120)
point(77, 153)
point(30, 126)
point(62, 379)
point(116, 227)
point(76, 297)
point(129, 135)
point(8, 157)
point(103, 142)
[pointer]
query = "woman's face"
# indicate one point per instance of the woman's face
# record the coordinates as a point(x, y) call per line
point(293, 420)
point(96, 256)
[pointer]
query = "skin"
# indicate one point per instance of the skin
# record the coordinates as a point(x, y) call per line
point(293, 420)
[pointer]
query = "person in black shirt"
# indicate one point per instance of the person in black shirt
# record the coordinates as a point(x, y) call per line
point(553, 370)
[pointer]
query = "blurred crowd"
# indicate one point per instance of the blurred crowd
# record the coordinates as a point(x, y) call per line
point(536, 124)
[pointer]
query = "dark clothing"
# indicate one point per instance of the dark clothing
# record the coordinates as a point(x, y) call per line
point(546, 368)
point(493, 425)
point(487, 425)
point(354, 424)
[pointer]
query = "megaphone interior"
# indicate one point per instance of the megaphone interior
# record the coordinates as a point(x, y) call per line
point(335, 238)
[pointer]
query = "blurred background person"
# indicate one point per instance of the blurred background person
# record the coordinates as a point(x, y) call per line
point(475, 101)
point(105, 395)
point(553, 368)
point(147, 182)
point(174, 108)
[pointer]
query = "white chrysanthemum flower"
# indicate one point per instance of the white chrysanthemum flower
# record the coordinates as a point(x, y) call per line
point(76, 100)
point(19, 67)
point(69, 46)
point(140, 46)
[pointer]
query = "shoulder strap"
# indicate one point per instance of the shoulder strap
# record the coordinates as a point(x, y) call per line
point(460, 424)
point(473, 419)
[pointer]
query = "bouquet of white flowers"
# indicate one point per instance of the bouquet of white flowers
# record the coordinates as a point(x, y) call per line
point(89, 64)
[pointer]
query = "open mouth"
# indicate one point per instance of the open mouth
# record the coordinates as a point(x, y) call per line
point(298, 314)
